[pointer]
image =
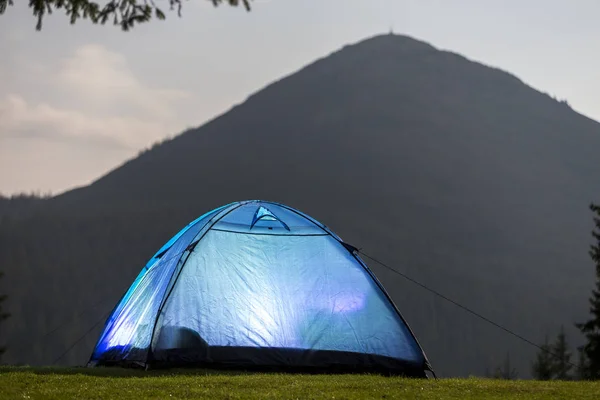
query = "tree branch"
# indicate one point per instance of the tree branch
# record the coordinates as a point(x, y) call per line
point(123, 13)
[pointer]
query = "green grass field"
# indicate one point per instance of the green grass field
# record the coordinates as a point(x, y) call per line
point(105, 383)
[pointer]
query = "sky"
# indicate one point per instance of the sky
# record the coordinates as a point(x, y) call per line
point(79, 100)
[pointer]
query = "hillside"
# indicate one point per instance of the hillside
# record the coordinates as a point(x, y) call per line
point(458, 174)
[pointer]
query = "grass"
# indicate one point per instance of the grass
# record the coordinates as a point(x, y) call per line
point(108, 383)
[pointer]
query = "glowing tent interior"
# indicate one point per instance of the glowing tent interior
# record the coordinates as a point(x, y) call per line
point(259, 284)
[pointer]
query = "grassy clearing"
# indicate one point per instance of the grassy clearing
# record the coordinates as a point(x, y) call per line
point(105, 383)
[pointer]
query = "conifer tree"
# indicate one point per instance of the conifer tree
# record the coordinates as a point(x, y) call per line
point(582, 368)
point(542, 366)
point(506, 371)
point(591, 328)
point(561, 357)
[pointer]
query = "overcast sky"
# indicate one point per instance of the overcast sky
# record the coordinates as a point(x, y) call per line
point(77, 101)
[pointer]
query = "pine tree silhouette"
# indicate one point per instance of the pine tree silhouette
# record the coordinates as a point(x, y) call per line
point(591, 328)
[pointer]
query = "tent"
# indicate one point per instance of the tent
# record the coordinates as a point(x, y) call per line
point(257, 284)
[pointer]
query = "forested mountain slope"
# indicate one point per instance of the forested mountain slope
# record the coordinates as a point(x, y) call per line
point(457, 174)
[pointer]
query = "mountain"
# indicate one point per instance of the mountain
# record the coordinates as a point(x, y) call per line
point(455, 173)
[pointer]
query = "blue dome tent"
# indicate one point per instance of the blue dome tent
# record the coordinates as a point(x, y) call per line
point(259, 284)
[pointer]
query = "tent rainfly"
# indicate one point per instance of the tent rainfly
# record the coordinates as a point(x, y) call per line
point(260, 285)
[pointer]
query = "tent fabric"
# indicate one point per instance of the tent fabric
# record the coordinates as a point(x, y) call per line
point(257, 283)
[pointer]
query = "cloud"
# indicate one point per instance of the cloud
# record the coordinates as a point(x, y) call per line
point(19, 119)
point(101, 99)
point(104, 78)
point(95, 99)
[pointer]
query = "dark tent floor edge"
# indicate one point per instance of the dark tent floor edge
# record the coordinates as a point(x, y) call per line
point(270, 360)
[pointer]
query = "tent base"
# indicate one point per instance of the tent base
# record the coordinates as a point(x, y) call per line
point(286, 360)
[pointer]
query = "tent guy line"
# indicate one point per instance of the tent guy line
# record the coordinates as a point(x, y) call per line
point(465, 308)
point(70, 320)
point(102, 317)
point(67, 321)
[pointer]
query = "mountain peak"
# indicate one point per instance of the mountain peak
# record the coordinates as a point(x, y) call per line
point(393, 41)
point(387, 77)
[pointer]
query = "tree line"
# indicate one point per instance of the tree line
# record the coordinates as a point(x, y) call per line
point(553, 361)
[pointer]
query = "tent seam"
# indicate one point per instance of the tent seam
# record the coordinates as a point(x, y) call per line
point(166, 298)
